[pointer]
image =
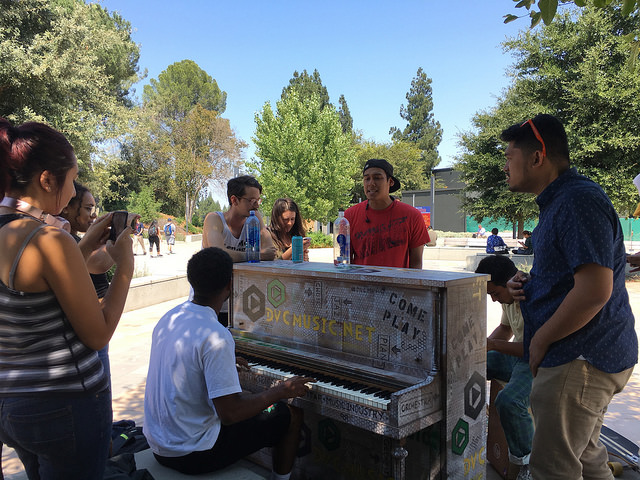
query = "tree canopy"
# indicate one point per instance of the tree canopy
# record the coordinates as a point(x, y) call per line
point(179, 142)
point(548, 9)
point(180, 87)
point(421, 128)
point(573, 69)
point(68, 64)
point(305, 155)
point(306, 86)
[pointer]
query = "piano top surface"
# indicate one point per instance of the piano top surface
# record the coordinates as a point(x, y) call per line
point(365, 273)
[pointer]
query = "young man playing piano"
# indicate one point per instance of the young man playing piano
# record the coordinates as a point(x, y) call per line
point(385, 231)
point(197, 419)
point(226, 229)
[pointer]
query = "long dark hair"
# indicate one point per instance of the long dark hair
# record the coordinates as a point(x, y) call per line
point(28, 150)
point(280, 206)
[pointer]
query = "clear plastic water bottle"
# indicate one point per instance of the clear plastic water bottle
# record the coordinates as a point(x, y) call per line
point(341, 242)
point(252, 241)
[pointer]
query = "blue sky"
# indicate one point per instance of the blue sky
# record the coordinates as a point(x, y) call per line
point(367, 50)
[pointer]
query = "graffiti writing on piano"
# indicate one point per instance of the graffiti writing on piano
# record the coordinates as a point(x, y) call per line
point(344, 329)
point(405, 315)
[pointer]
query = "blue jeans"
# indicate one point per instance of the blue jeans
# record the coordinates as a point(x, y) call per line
point(58, 438)
point(512, 403)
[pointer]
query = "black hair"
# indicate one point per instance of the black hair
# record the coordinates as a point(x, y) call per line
point(500, 267)
point(494, 231)
point(72, 209)
point(77, 199)
point(209, 271)
point(526, 232)
point(551, 131)
point(236, 186)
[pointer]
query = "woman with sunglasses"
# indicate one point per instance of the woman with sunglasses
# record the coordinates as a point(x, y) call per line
point(55, 408)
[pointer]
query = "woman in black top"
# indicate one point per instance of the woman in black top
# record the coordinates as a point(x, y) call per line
point(81, 213)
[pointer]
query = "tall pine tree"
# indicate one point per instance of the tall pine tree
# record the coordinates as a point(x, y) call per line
point(421, 129)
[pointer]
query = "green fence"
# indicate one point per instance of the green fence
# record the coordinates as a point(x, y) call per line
point(501, 224)
point(630, 227)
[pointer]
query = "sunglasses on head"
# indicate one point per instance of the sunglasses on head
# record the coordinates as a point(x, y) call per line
point(537, 134)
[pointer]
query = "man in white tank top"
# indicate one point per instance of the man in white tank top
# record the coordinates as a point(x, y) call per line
point(227, 229)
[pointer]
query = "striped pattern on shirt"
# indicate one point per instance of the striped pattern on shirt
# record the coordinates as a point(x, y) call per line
point(39, 351)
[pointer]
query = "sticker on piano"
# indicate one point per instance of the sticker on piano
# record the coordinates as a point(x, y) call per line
point(474, 395)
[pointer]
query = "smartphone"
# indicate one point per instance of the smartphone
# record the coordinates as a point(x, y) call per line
point(119, 221)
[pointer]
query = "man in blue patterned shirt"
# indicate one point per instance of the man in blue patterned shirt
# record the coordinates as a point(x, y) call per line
point(579, 334)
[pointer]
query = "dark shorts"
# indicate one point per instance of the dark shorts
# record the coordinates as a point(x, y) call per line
point(235, 442)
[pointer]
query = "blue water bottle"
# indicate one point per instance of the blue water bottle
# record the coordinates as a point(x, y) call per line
point(252, 240)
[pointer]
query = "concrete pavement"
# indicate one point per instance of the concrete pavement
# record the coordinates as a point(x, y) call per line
point(130, 345)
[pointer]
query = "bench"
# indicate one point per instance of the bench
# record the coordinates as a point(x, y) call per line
point(242, 470)
point(476, 242)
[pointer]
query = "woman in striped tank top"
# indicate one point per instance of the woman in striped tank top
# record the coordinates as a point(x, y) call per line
point(55, 406)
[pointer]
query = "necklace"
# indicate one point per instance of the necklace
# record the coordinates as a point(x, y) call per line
point(35, 212)
point(366, 210)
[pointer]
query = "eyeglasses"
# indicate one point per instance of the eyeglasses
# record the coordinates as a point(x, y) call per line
point(257, 201)
point(537, 134)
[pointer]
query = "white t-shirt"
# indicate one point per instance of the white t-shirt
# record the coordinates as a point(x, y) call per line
point(192, 361)
point(512, 316)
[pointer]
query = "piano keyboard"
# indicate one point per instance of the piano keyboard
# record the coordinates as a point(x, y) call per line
point(326, 385)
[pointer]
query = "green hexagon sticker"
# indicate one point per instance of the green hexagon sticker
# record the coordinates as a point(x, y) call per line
point(276, 293)
point(460, 437)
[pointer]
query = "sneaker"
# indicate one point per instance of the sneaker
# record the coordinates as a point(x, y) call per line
point(144, 253)
point(524, 474)
point(159, 255)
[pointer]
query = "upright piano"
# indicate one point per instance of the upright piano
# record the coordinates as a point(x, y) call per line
point(398, 355)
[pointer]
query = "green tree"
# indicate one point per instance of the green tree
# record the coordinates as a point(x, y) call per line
point(421, 129)
point(305, 155)
point(486, 193)
point(181, 142)
point(68, 64)
point(306, 86)
point(179, 88)
point(204, 148)
point(548, 10)
point(345, 115)
point(144, 204)
point(405, 158)
point(205, 205)
point(573, 69)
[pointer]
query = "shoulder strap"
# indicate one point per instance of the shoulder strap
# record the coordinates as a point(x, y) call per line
point(27, 239)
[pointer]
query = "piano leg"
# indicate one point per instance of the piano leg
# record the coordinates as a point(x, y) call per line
point(399, 455)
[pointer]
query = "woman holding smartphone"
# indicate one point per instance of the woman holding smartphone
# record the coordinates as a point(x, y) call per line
point(81, 213)
point(286, 223)
point(55, 408)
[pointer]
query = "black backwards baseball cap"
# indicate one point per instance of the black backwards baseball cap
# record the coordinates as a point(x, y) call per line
point(388, 169)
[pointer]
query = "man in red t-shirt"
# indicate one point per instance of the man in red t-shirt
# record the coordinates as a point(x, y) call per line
point(385, 231)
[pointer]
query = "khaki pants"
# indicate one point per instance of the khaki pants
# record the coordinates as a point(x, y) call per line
point(568, 403)
point(138, 240)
